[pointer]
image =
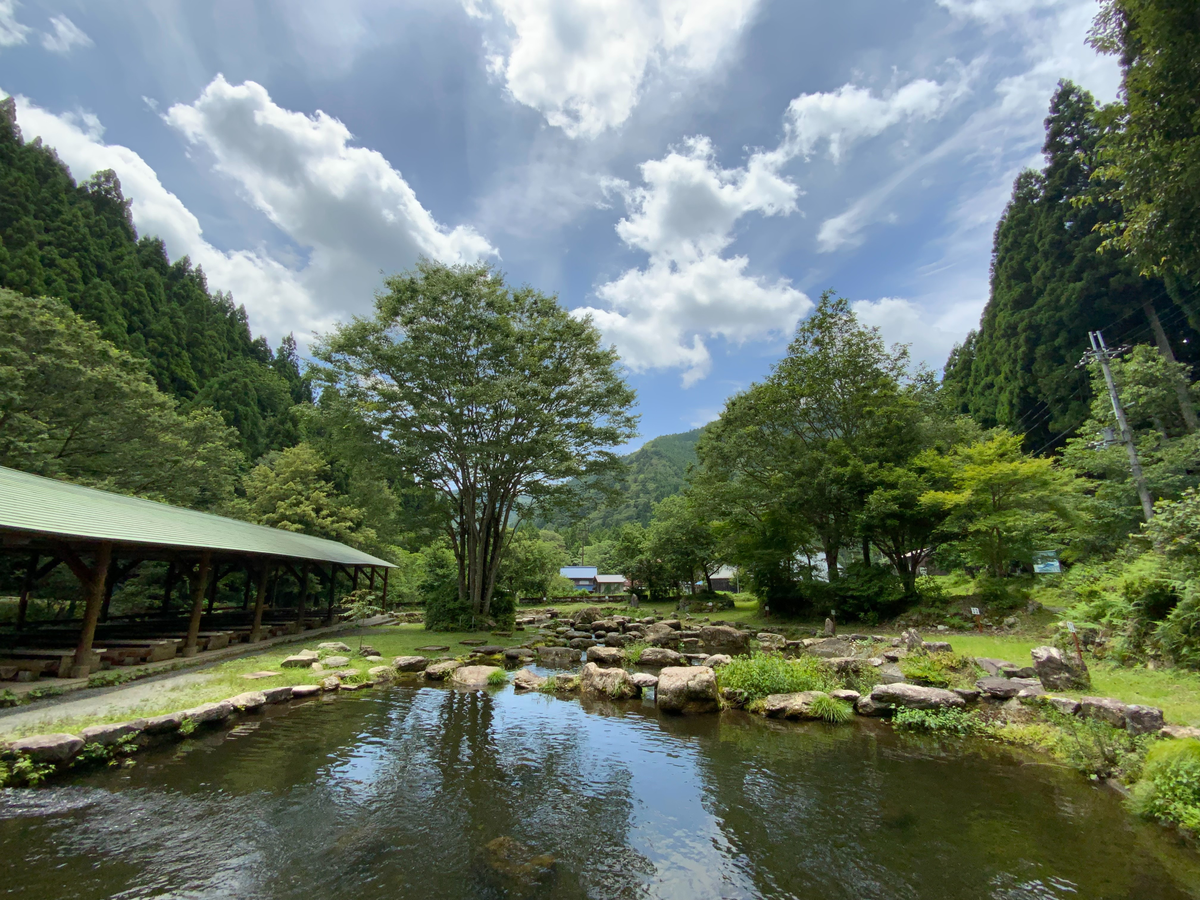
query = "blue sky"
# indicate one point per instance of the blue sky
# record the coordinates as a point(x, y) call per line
point(691, 173)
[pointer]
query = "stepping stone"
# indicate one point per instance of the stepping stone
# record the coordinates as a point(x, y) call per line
point(432, 649)
point(473, 642)
point(254, 675)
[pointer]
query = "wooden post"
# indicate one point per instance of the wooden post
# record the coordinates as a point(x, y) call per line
point(91, 613)
point(259, 600)
point(371, 580)
point(332, 588)
point(303, 603)
point(275, 586)
point(190, 647)
point(385, 575)
point(110, 583)
point(169, 587)
point(354, 582)
point(212, 589)
point(26, 590)
point(246, 587)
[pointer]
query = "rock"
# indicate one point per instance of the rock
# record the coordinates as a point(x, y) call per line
point(867, 706)
point(410, 663)
point(334, 646)
point(724, 640)
point(303, 691)
point(716, 661)
point(334, 661)
point(847, 665)
point(943, 628)
point(48, 748)
point(969, 695)
point(210, 712)
point(440, 670)
point(472, 676)
point(1066, 705)
point(937, 647)
point(558, 657)
point(1012, 671)
point(1011, 622)
point(1059, 672)
point(661, 635)
point(107, 735)
point(616, 639)
point(169, 722)
point(644, 680)
point(587, 615)
point(1006, 688)
point(433, 648)
point(657, 657)
point(331, 683)
point(565, 682)
point(845, 694)
point(889, 673)
point(894, 654)
point(278, 694)
point(488, 650)
point(528, 680)
point(831, 648)
point(914, 696)
point(586, 643)
point(250, 700)
point(615, 684)
point(912, 640)
point(1106, 709)
point(382, 674)
point(991, 665)
point(830, 628)
point(367, 650)
point(517, 654)
point(1180, 732)
point(516, 870)
point(770, 641)
point(606, 657)
point(686, 689)
point(732, 698)
point(792, 706)
point(301, 660)
point(1143, 719)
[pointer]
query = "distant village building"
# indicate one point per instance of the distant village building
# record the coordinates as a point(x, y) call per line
point(725, 579)
point(583, 577)
point(611, 584)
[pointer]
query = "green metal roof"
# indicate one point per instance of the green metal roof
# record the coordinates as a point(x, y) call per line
point(30, 503)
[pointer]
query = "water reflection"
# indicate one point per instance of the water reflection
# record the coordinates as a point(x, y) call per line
point(401, 793)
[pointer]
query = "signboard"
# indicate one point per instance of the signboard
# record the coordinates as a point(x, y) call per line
point(1045, 562)
point(1071, 627)
point(974, 610)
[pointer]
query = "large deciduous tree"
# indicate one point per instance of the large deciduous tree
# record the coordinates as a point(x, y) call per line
point(489, 395)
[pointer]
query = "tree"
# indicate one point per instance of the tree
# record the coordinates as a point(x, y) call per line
point(634, 558)
point(532, 563)
point(291, 490)
point(73, 406)
point(905, 519)
point(487, 395)
point(1151, 146)
point(682, 537)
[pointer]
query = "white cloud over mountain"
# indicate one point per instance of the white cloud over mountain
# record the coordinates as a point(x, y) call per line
point(583, 63)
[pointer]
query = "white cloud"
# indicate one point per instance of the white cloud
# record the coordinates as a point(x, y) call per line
point(12, 32)
point(347, 207)
point(684, 217)
point(930, 337)
point(65, 36)
point(583, 63)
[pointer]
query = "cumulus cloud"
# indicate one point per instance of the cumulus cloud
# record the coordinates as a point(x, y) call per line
point(66, 35)
point(683, 217)
point(583, 64)
point(12, 32)
point(347, 207)
point(930, 337)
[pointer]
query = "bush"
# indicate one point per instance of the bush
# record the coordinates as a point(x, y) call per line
point(496, 679)
point(1096, 748)
point(503, 610)
point(938, 721)
point(936, 669)
point(444, 611)
point(1169, 790)
point(832, 710)
point(761, 674)
point(1000, 594)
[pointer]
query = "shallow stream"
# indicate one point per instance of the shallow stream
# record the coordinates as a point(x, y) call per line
point(403, 793)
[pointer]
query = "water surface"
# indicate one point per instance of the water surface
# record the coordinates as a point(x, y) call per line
point(397, 793)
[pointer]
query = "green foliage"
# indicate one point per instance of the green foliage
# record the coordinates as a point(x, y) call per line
point(924, 669)
point(1096, 748)
point(681, 538)
point(497, 679)
point(531, 563)
point(24, 771)
point(761, 674)
point(832, 710)
point(961, 722)
point(1169, 789)
point(488, 396)
point(445, 608)
point(187, 726)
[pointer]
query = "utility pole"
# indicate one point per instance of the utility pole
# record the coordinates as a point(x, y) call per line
point(1100, 353)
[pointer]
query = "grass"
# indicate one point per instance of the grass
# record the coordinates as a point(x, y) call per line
point(760, 674)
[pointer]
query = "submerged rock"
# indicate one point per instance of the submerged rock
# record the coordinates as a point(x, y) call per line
point(517, 869)
point(686, 689)
point(615, 684)
point(1058, 671)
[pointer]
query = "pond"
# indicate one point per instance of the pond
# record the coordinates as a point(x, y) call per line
point(433, 793)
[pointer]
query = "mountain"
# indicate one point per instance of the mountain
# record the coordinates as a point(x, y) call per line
point(656, 471)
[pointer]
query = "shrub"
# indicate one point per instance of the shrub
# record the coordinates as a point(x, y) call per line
point(496, 679)
point(1169, 790)
point(938, 721)
point(8, 698)
point(761, 674)
point(503, 610)
point(1096, 748)
point(935, 669)
point(832, 710)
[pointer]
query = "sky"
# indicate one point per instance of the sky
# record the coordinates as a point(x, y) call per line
point(692, 174)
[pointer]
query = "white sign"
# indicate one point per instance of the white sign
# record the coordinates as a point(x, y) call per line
point(1071, 627)
point(974, 610)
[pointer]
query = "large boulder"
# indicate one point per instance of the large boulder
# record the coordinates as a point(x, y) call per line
point(769, 641)
point(868, 706)
point(792, 706)
point(831, 648)
point(614, 684)
point(440, 670)
point(606, 657)
point(382, 674)
point(1106, 709)
point(528, 680)
point(249, 701)
point(724, 639)
point(661, 635)
point(686, 689)
point(1058, 671)
point(280, 694)
point(107, 735)
point(996, 687)
point(1143, 719)
point(301, 660)
point(914, 696)
point(890, 673)
point(657, 657)
point(410, 663)
point(473, 676)
point(48, 748)
point(587, 615)
point(558, 657)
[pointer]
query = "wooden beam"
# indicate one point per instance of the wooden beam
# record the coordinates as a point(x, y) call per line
point(303, 603)
point(26, 590)
point(332, 586)
point(385, 577)
point(116, 574)
point(198, 590)
point(169, 587)
point(371, 579)
point(212, 586)
point(259, 600)
point(249, 579)
point(94, 586)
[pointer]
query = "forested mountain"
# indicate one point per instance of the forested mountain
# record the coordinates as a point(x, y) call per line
point(1051, 285)
point(77, 242)
point(656, 471)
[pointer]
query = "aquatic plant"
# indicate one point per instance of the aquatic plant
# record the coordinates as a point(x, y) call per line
point(187, 725)
point(761, 674)
point(497, 678)
point(938, 721)
point(831, 709)
point(1169, 789)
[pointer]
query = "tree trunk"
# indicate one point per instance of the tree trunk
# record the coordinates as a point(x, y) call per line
point(866, 544)
point(831, 550)
point(1164, 347)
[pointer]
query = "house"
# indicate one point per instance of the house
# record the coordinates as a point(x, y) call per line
point(583, 577)
point(724, 579)
point(611, 584)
